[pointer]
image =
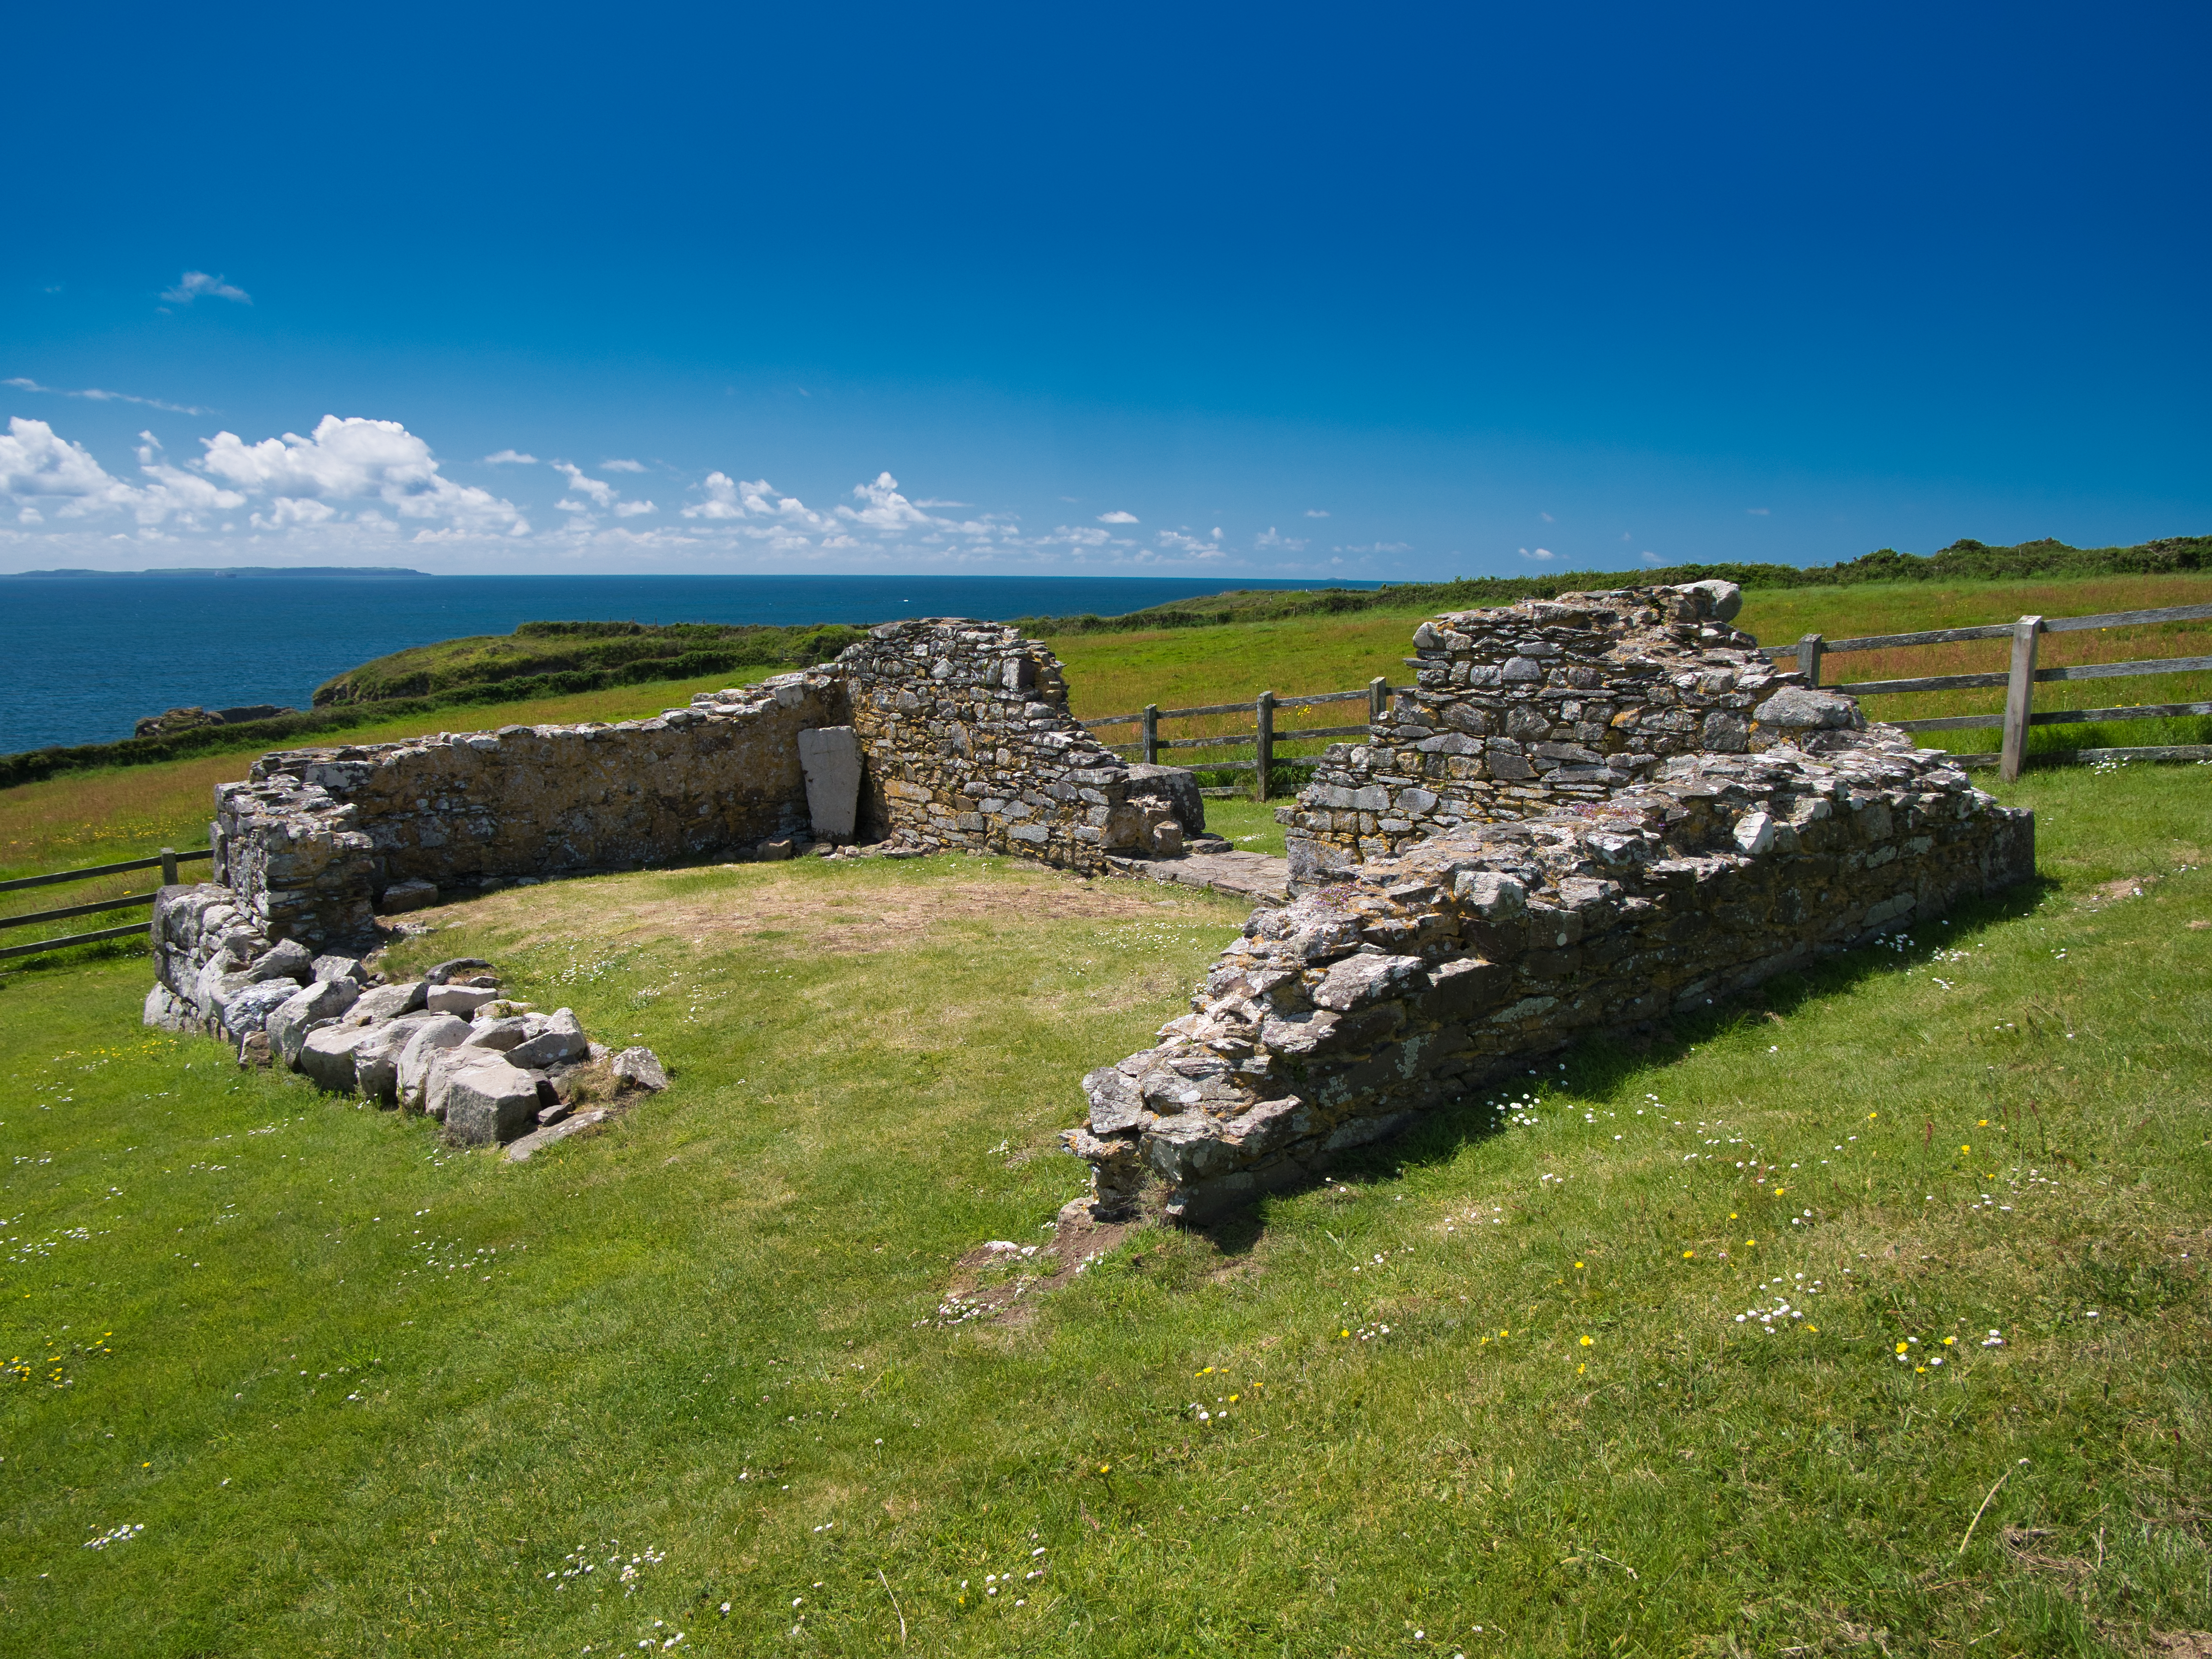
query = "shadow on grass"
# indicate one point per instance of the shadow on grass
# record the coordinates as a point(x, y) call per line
point(1607, 1062)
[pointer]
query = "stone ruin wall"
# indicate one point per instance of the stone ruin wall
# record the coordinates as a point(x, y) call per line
point(1400, 984)
point(963, 732)
point(1526, 708)
point(969, 743)
point(315, 838)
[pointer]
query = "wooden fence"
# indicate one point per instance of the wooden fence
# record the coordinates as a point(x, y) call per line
point(167, 860)
point(1262, 737)
point(2019, 682)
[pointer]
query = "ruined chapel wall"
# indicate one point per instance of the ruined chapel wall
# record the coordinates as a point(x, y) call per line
point(969, 743)
point(1400, 984)
point(1520, 710)
point(314, 837)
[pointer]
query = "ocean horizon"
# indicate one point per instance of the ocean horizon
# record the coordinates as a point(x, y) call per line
point(82, 656)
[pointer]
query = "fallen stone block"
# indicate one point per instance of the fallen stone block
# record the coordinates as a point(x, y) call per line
point(248, 1013)
point(642, 1067)
point(404, 895)
point(376, 1061)
point(324, 1000)
point(329, 967)
point(435, 1036)
point(563, 1041)
point(490, 1102)
point(386, 1002)
point(459, 999)
point(326, 1058)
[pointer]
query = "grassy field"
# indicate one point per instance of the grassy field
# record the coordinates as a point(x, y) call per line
point(289, 1378)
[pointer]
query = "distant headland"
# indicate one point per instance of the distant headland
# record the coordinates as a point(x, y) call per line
point(236, 570)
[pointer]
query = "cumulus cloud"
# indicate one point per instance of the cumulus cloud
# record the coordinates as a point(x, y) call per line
point(1316, 513)
point(352, 459)
point(1287, 544)
point(195, 283)
point(97, 395)
point(886, 508)
point(631, 510)
point(1190, 547)
point(622, 466)
point(1539, 556)
point(599, 490)
point(1117, 516)
point(36, 464)
point(509, 458)
point(730, 499)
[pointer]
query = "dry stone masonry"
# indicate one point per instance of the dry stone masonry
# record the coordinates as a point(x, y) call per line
point(448, 1045)
point(1525, 708)
point(969, 743)
point(1590, 813)
point(317, 841)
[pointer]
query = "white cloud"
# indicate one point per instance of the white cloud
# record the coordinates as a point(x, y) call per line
point(631, 510)
point(1288, 543)
point(1547, 518)
point(728, 498)
point(597, 489)
point(1316, 513)
point(194, 283)
point(96, 395)
point(35, 464)
point(287, 511)
point(1190, 546)
point(928, 501)
point(1117, 516)
point(509, 458)
point(353, 459)
point(1650, 557)
point(886, 508)
point(1539, 556)
point(622, 466)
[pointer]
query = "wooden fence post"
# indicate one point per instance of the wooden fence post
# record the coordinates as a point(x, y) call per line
point(1151, 734)
point(2019, 697)
point(1264, 750)
point(1809, 658)
point(168, 866)
point(1378, 699)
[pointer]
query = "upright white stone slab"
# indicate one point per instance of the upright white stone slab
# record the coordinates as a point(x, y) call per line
point(830, 756)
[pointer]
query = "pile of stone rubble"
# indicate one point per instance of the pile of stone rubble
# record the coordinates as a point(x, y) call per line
point(450, 1044)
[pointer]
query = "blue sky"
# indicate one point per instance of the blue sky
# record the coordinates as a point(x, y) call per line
point(1286, 291)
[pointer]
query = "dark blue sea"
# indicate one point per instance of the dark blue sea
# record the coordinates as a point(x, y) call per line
point(83, 657)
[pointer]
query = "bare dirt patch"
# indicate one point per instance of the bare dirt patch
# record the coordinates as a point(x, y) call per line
point(1000, 1281)
point(869, 911)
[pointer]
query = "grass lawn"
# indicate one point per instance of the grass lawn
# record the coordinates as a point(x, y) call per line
point(364, 1394)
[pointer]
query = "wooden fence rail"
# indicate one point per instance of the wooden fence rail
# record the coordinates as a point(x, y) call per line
point(166, 861)
point(1263, 736)
point(2019, 681)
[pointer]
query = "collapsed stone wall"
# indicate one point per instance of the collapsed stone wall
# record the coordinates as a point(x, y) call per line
point(1523, 709)
point(969, 743)
point(1403, 982)
point(316, 839)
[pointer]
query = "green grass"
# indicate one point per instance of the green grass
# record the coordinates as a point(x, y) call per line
point(713, 1332)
